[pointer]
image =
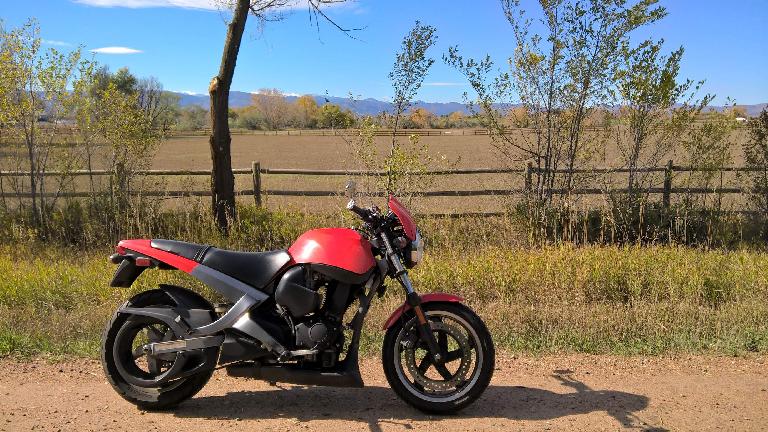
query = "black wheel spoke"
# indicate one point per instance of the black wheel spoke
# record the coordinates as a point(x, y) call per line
point(454, 355)
point(442, 342)
point(154, 335)
point(138, 352)
point(426, 362)
point(443, 371)
point(154, 365)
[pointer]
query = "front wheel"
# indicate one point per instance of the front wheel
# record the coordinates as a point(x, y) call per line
point(466, 346)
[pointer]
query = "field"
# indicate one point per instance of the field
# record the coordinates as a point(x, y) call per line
point(335, 152)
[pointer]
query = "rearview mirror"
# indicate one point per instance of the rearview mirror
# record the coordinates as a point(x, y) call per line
point(350, 190)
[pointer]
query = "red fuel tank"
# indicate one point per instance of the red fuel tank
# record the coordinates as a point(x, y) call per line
point(338, 247)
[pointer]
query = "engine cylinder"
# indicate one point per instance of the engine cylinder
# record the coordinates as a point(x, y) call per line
point(293, 294)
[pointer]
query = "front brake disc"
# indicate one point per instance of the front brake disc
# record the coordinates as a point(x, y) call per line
point(458, 377)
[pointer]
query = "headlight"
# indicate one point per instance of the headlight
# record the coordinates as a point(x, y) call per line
point(417, 250)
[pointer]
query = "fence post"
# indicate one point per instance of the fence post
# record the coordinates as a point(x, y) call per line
point(667, 185)
point(256, 167)
point(528, 177)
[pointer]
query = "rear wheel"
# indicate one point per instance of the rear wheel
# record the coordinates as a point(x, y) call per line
point(131, 371)
point(466, 346)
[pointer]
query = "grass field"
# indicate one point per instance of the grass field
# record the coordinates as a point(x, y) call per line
point(633, 300)
point(596, 299)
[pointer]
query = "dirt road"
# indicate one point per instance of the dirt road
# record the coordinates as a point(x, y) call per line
point(549, 393)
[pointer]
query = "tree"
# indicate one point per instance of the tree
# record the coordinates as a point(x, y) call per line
point(656, 107)
point(756, 155)
point(128, 129)
point(159, 105)
point(559, 76)
point(222, 179)
point(405, 163)
point(193, 117)
point(272, 108)
point(307, 111)
point(421, 118)
point(408, 73)
point(36, 98)
point(331, 116)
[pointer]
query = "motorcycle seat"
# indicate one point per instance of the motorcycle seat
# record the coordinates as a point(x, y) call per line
point(256, 269)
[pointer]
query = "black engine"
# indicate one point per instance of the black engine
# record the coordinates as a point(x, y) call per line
point(316, 305)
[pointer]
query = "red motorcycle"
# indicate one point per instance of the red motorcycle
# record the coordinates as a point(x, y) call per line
point(284, 320)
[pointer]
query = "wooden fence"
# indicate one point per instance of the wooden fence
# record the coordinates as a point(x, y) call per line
point(257, 172)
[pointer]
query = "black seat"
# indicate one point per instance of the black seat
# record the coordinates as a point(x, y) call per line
point(256, 269)
point(187, 250)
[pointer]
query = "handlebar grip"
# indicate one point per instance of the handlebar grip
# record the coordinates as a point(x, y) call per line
point(357, 210)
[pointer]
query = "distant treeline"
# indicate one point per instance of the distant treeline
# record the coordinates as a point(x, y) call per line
point(270, 109)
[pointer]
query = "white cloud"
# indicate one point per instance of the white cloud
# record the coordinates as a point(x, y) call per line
point(56, 43)
point(115, 50)
point(185, 4)
point(190, 93)
point(443, 84)
point(134, 4)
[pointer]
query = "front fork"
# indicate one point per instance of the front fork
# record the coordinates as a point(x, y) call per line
point(414, 301)
point(425, 330)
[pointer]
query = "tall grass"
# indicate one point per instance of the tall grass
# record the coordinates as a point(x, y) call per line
point(596, 299)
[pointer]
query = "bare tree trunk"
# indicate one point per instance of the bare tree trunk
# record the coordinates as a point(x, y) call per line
point(222, 179)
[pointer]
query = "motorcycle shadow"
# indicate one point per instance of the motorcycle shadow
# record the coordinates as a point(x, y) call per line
point(377, 405)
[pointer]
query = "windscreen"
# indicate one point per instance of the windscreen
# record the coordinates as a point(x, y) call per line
point(406, 220)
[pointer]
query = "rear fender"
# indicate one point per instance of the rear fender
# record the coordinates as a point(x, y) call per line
point(191, 309)
point(426, 298)
point(126, 274)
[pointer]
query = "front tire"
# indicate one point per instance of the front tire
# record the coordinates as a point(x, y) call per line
point(467, 347)
point(113, 358)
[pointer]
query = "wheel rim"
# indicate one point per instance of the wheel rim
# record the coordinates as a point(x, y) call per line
point(134, 364)
point(151, 366)
point(460, 346)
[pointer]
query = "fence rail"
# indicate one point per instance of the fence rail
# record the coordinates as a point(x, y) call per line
point(258, 191)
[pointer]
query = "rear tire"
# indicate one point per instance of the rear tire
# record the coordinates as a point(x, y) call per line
point(164, 396)
point(465, 384)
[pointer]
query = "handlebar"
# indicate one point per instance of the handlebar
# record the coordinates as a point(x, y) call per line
point(363, 213)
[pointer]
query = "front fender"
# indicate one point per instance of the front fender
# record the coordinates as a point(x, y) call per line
point(426, 298)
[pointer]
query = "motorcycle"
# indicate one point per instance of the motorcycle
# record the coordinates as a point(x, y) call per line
point(283, 320)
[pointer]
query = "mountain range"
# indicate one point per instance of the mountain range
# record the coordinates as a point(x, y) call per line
point(370, 106)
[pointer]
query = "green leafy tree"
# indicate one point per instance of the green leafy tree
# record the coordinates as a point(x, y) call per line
point(331, 116)
point(657, 108)
point(408, 72)
point(404, 163)
point(132, 139)
point(707, 147)
point(193, 117)
point(36, 101)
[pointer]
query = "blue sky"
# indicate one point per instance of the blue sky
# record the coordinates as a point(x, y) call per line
point(726, 43)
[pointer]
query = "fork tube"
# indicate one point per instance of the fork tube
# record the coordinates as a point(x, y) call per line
point(414, 301)
point(425, 329)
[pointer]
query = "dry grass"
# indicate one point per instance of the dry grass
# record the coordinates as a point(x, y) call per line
point(555, 299)
point(333, 152)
